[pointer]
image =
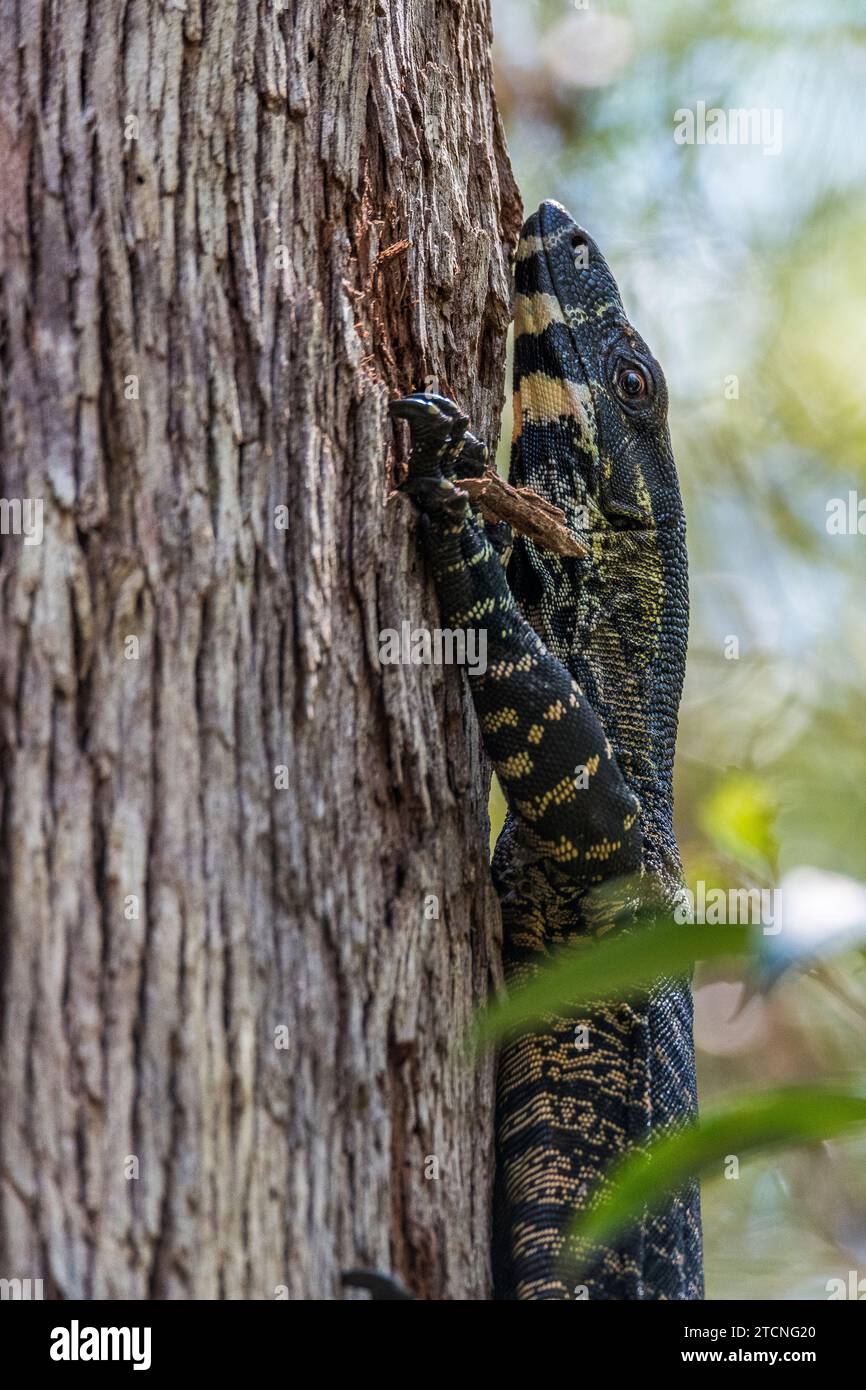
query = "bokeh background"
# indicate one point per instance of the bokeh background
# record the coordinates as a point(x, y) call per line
point(746, 274)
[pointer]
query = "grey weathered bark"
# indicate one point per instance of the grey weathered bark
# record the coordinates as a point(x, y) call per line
point(229, 233)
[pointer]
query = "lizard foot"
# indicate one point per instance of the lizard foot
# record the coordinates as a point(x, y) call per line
point(442, 448)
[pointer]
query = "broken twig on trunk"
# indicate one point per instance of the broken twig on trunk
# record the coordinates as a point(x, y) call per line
point(526, 511)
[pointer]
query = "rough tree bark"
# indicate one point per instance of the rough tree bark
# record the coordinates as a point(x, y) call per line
point(230, 233)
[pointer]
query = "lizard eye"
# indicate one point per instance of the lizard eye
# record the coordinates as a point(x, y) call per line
point(635, 378)
point(632, 383)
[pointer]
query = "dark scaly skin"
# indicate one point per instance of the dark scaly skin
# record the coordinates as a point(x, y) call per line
point(578, 712)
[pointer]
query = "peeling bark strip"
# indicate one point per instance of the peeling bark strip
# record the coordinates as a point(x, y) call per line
point(229, 1031)
point(525, 510)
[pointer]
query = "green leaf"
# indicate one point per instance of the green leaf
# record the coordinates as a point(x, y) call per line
point(763, 1121)
point(739, 818)
point(621, 967)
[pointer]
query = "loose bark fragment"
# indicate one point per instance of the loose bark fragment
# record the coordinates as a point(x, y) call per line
point(525, 510)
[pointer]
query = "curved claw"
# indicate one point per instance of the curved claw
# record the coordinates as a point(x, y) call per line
point(427, 413)
point(407, 407)
point(474, 456)
point(381, 1287)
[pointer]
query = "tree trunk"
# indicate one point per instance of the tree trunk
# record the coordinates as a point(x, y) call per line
point(231, 1015)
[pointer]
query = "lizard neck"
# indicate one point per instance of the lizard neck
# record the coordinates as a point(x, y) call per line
point(618, 620)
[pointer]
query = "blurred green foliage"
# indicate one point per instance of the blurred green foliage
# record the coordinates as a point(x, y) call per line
point(757, 1123)
point(737, 818)
point(744, 271)
point(619, 967)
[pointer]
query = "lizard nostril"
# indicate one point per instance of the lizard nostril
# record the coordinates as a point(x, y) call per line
point(579, 250)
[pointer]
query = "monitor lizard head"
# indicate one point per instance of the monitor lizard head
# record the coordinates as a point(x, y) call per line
point(591, 434)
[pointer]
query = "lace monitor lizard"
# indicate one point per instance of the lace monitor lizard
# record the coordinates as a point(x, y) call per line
point(578, 713)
